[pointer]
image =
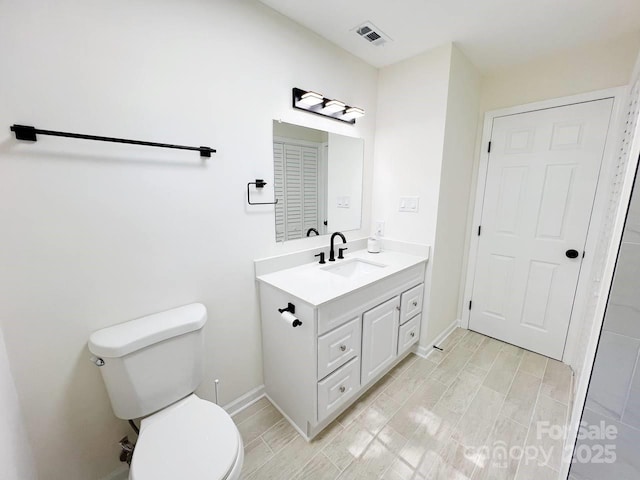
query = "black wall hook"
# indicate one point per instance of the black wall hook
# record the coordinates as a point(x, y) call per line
point(259, 183)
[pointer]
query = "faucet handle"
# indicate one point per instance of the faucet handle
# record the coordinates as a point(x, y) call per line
point(340, 251)
point(321, 255)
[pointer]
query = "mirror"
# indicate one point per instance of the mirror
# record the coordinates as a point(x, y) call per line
point(317, 181)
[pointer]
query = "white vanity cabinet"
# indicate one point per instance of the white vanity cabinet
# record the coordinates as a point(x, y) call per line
point(314, 371)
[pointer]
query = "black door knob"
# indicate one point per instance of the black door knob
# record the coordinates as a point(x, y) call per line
point(572, 253)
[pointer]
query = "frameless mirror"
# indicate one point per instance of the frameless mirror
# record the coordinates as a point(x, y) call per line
point(317, 181)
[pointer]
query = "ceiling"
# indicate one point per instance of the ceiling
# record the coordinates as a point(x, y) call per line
point(492, 33)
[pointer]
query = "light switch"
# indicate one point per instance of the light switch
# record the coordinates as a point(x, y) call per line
point(409, 204)
point(343, 202)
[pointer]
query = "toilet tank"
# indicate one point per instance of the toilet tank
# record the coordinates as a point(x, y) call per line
point(153, 361)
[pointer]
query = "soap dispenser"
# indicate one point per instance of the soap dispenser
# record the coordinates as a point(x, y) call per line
point(373, 244)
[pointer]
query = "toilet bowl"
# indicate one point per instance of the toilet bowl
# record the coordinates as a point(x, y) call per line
point(151, 366)
point(192, 439)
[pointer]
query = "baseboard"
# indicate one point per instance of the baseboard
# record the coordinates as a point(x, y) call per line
point(425, 351)
point(246, 400)
point(291, 422)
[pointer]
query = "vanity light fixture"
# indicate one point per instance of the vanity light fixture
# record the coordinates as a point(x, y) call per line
point(311, 99)
point(354, 112)
point(334, 106)
point(313, 102)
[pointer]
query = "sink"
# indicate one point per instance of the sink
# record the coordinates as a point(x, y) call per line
point(353, 268)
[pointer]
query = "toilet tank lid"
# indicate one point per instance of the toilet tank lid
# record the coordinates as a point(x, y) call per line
point(127, 337)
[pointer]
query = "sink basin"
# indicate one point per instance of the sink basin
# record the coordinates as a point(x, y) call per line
point(353, 268)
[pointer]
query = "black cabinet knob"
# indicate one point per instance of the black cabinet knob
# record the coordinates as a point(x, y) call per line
point(572, 253)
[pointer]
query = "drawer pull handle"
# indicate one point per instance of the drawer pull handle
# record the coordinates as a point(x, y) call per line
point(343, 389)
point(412, 334)
point(343, 348)
point(414, 303)
point(398, 308)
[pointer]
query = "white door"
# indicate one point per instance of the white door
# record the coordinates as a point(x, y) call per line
point(379, 338)
point(541, 181)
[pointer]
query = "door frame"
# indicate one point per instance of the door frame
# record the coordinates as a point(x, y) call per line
point(598, 213)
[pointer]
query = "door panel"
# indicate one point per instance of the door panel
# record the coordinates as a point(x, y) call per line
point(541, 180)
point(512, 183)
point(500, 277)
point(537, 294)
point(555, 197)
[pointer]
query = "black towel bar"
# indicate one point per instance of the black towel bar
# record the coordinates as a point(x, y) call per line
point(25, 132)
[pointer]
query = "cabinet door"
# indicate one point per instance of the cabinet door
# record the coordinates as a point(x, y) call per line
point(379, 338)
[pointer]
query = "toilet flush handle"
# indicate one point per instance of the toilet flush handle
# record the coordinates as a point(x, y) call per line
point(97, 361)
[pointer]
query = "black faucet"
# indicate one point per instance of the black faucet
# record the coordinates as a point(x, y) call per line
point(312, 230)
point(332, 256)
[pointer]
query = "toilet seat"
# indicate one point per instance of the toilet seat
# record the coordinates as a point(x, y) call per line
point(192, 439)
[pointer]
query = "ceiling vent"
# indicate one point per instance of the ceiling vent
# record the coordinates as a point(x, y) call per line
point(372, 34)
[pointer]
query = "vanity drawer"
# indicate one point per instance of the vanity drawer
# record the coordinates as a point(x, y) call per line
point(409, 334)
point(411, 303)
point(338, 347)
point(338, 387)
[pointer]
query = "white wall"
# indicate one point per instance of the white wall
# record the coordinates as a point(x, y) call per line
point(95, 234)
point(16, 459)
point(412, 108)
point(580, 70)
point(455, 188)
point(425, 135)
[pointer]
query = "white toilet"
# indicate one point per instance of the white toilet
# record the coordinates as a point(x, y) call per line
point(151, 367)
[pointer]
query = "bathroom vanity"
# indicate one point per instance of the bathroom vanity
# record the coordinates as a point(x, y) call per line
point(359, 317)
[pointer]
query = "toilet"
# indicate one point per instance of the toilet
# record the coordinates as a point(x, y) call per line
point(151, 366)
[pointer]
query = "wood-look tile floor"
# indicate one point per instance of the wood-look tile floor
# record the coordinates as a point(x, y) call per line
point(468, 412)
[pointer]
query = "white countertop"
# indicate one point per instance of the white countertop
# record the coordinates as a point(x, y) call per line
point(314, 285)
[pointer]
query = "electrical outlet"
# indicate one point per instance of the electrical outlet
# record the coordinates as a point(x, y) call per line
point(380, 228)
